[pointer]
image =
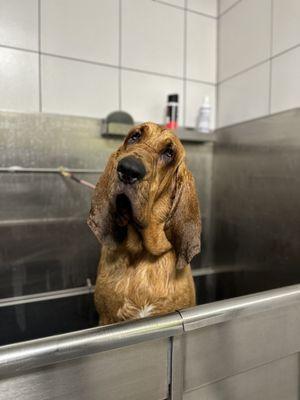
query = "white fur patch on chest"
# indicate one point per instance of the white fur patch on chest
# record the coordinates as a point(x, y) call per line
point(146, 311)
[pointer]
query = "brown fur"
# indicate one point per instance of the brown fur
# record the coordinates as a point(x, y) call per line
point(147, 246)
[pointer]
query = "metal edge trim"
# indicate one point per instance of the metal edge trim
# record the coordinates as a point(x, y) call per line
point(20, 357)
point(225, 310)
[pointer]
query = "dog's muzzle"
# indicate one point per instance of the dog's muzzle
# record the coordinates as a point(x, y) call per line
point(130, 170)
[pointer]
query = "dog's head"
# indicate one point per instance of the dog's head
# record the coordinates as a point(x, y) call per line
point(147, 186)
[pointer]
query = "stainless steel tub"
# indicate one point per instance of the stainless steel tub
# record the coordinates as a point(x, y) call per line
point(243, 348)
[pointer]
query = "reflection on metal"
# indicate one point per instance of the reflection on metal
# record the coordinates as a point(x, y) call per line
point(58, 294)
point(18, 169)
point(215, 270)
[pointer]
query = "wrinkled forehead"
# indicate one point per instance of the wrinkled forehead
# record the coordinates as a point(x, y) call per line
point(157, 137)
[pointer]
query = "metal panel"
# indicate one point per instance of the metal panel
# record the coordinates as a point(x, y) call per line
point(48, 141)
point(233, 338)
point(134, 372)
point(256, 197)
point(278, 380)
point(45, 255)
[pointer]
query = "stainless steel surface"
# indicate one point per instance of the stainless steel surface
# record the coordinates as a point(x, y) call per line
point(252, 354)
point(278, 380)
point(176, 368)
point(230, 344)
point(132, 373)
point(225, 310)
point(255, 202)
point(18, 169)
point(32, 298)
point(20, 357)
point(45, 243)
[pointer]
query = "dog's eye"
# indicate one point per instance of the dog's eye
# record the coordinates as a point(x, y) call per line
point(134, 137)
point(168, 153)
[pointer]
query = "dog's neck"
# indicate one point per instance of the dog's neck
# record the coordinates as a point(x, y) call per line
point(138, 245)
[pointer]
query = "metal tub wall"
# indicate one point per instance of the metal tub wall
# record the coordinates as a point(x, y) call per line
point(244, 348)
point(255, 204)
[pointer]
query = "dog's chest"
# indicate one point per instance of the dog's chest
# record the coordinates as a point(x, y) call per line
point(134, 287)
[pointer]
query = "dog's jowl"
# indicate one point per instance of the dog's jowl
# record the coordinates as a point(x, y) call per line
point(146, 216)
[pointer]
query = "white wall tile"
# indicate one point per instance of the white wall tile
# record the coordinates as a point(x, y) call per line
point(85, 29)
point(225, 4)
point(244, 97)
point(244, 36)
point(201, 47)
point(286, 81)
point(19, 23)
point(18, 80)
point(286, 27)
point(152, 37)
point(195, 93)
point(78, 88)
point(208, 7)
point(145, 96)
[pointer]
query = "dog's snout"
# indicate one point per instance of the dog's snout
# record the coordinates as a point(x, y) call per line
point(130, 170)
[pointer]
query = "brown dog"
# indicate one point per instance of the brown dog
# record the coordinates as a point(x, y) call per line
point(145, 214)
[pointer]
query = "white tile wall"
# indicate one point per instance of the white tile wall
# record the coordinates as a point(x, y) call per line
point(201, 54)
point(208, 7)
point(286, 81)
point(158, 46)
point(244, 97)
point(245, 35)
point(195, 93)
point(84, 29)
point(19, 23)
point(18, 80)
point(286, 27)
point(263, 32)
point(78, 88)
point(152, 37)
point(145, 95)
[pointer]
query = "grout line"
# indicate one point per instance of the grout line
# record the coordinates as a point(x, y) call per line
point(285, 51)
point(271, 62)
point(120, 55)
point(184, 102)
point(109, 65)
point(217, 104)
point(40, 56)
point(243, 71)
point(5, 46)
point(259, 63)
point(80, 60)
point(229, 8)
point(185, 7)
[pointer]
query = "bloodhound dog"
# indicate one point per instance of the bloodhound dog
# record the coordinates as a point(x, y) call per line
point(146, 216)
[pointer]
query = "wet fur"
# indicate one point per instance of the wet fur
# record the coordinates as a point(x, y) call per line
point(144, 266)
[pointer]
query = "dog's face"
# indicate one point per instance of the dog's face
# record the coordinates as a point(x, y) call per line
point(146, 186)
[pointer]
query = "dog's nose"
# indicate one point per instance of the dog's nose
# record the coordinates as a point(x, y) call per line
point(130, 170)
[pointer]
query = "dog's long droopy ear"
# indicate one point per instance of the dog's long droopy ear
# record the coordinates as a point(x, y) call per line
point(100, 218)
point(185, 223)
